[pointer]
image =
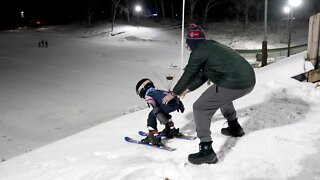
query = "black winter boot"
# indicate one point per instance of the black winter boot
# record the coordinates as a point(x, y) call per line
point(234, 129)
point(205, 154)
point(151, 139)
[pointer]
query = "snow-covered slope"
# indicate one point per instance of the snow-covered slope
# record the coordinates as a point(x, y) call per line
point(51, 93)
point(280, 118)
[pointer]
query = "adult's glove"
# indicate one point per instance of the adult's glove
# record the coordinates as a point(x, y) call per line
point(184, 93)
point(181, 107)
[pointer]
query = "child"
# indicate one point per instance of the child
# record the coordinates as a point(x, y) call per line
point(146, 90)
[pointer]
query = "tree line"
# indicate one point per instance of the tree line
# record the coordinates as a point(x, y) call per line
point(197, 10)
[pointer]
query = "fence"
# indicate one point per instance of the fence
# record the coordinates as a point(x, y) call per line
point(272, 53)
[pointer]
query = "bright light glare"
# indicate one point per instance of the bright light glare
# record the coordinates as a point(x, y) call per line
point(286, 9)
point(295, 3)
point(138, 8)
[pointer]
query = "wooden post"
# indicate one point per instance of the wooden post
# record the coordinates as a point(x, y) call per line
point(313, 40)
point(313, 47)
point(264, 55)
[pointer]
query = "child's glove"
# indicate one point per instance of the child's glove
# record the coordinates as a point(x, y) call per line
point(168, 98)
point(181, 107)
point(150, 101)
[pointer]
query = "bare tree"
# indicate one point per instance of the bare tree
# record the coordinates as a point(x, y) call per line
point(243, 6)
point(258, 5)
point(157, 6)
point(115, 4)
point(246, 12)
point(248, 4)
point(237, 8)
point(124, 9)
point(208, 5)
point(172, 11)
point(162, 9)
point(90, 10)
point(192, 4)
point(127, 10)
point(312, 7)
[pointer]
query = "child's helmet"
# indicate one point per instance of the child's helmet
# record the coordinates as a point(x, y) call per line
point(142, 87)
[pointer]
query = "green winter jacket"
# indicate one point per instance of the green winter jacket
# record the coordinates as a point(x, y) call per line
point(218, 63)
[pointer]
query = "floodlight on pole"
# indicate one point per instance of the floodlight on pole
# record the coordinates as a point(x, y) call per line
point(292, 4)
point(295, 3)
point(138, 9)
point(286, 9)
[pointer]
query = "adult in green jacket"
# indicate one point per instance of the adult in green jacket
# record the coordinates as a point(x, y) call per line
point(232, 77)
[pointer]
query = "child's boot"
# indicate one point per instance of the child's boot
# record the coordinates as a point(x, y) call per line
point(205, 154)
point(170, 131)
point(152, 138)
point(234, 129)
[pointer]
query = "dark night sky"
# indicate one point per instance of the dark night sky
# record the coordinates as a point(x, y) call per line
point(50, 10)
point(64, 11)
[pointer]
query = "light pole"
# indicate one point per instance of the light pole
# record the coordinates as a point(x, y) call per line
point(138, 9)
point(295, 3)
point(289, 10)
point(22, 18)
point(182, 36)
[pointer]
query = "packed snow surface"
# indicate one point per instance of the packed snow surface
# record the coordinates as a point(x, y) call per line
point(78, 83)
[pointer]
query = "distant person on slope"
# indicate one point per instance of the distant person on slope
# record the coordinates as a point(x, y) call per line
point(233, 77)
point(146, 90)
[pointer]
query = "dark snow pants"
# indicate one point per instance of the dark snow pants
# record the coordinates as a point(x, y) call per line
point(209, 102)
point(162, 114)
